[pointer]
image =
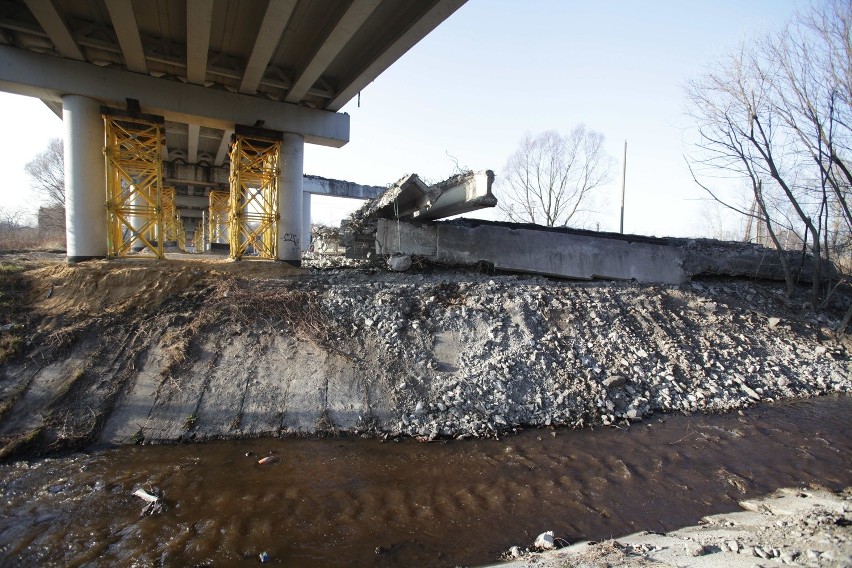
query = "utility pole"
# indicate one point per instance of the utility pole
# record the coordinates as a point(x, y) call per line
point(623, 184)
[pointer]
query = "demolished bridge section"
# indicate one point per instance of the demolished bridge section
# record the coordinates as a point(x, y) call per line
point(411, 198)
point(576, 254)
point(401, 223)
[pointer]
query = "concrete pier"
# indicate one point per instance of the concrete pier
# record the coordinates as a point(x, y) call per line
point(290, 227)
point(85, 214)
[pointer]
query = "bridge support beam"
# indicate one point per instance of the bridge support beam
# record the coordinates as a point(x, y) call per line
point(85, 178)
point(290, 188)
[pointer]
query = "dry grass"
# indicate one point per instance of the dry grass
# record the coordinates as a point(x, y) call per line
point(233, 304)
point(13, 290)
point(297, 311)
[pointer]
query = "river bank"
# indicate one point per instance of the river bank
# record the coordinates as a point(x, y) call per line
point(800, 527)
point(141, 351)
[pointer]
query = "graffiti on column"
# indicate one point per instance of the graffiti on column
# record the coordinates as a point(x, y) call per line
point(291, 237)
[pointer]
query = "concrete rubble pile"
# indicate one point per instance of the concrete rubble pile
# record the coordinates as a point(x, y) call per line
point(480, 355)
point(439, 353)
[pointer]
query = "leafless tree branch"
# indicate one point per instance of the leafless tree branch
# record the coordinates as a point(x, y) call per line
point(550, 177)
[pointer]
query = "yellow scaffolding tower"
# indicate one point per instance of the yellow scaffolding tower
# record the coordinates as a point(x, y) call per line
point(134, 172)
point(218, 214)
point(181, 236)
point(254, 195)
point(172, 225)
point(198, 238)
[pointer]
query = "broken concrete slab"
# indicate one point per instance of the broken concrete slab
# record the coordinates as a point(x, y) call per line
point(411, 198)
point(459, 194)
point(577, 254)
point(529, 249)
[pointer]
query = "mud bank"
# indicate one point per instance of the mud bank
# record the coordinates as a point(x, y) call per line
point(134, 351)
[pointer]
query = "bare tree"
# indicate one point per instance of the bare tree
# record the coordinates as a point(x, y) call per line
point(11, 220)
point(550, 178)
point(813, 96)
point(776, 113)
point(15, 233)
point(47, 178)
point(47, 174)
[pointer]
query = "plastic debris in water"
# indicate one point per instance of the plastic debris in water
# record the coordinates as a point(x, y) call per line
point(153, 501)
point(145, 496)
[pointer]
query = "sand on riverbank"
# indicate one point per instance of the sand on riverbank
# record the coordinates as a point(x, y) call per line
point(800, 527)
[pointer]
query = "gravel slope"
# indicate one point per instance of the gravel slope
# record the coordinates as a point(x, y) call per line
point(477, 355)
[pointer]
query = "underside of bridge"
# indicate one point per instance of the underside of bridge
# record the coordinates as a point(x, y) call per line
point(205, 68)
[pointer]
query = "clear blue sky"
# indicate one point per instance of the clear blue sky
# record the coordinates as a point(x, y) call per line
point(500, 68)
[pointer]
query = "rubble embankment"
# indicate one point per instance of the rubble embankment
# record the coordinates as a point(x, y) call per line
point(188, 351)
point(483, 354)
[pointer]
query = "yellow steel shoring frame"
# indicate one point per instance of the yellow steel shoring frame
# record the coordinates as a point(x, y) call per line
point(218, 214)
point(181, 234)
point(254, 196)
point(134, 171)
point(172, 225)
point(198, 238)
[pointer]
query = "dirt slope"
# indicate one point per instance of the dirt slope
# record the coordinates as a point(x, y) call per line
point(132, 351)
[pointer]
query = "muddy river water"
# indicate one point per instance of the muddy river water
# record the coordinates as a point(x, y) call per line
point(355, 502)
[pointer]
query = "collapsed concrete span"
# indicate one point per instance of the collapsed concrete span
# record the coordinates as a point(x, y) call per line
point(576, 254)
point(400, 223)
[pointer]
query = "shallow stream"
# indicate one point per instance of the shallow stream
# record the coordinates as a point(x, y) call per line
point(355, 502)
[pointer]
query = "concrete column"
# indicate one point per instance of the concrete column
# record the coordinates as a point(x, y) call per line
point(85, 180)
point(290, 199)
point(306, 221)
